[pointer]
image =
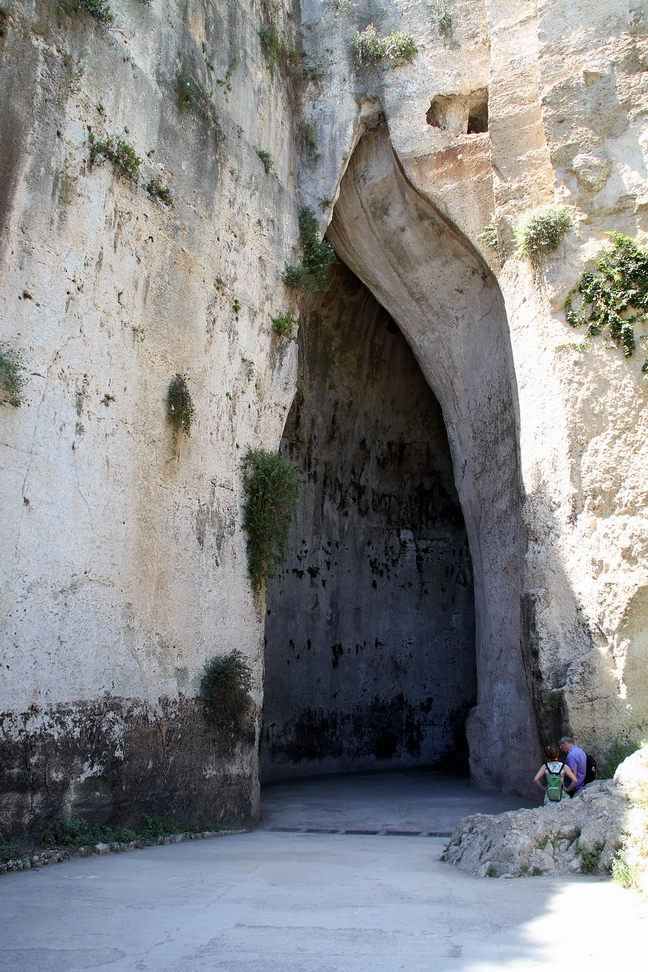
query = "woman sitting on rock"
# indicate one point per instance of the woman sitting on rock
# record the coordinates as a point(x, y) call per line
point(551, 777)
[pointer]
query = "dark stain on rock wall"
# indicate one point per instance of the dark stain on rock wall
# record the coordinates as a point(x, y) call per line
point(370, 627)
point(112, 760)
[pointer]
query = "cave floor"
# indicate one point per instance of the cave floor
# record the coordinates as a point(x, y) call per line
point(289, 900)
point(420, 801)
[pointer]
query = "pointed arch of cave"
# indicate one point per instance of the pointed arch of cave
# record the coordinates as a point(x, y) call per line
point(448, 304)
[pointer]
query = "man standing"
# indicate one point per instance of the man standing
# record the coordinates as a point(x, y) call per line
point(576, 759)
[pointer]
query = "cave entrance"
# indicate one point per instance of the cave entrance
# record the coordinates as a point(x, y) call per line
point(446, 302)
point(370, 630)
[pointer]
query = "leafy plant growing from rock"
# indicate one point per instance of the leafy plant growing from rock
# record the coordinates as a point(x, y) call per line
point(318, 256)
point(99, 9)
point(271, 487)
point(225, 689)
point(190, 93)
point(370, 48)
point(279, 50)
point(625, 872)
point(192, 96)
point(283, 324)
point(266, 158)
point(590, 858)
point(226, 83)
point(540, 230)
point(76, 832)
point(442, 16)
point(489, 238)
point(12, 379)
point(156, 189)
point(179, 406)
point(615, 297)
point(122, 155)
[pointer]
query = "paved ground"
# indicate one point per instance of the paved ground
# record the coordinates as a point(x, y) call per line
point(409, 800)
point(284, 901)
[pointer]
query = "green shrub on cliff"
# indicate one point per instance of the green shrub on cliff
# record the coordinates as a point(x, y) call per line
point(540, 230)
point(180, 408)
point(99, 9)
point(271, 487)
point(442, 16)
point(225, 688)
point(123, 156)
point(318, 256)
point(370, 48)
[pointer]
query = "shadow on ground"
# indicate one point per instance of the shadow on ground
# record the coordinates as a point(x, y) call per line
point(271, 901)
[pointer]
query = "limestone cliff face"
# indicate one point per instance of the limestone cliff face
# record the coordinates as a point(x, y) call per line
point(124, 564)
point(123, 558)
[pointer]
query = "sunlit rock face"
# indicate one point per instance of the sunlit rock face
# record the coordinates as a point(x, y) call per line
point(123, 556)
point(370, 658)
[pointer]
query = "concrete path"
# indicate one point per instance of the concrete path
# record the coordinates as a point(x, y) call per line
point(285, 901)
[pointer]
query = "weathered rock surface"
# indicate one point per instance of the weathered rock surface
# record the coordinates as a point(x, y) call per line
point(124, 565)
point(579, 835)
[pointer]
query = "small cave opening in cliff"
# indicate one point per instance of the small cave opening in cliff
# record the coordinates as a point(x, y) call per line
point(370, 626)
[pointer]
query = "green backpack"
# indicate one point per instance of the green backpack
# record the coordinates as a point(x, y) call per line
point(554, 783)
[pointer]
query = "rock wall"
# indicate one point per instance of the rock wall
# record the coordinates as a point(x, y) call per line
point(124, 564)
point(370, 643)
point(601, 830)
point(123, 560)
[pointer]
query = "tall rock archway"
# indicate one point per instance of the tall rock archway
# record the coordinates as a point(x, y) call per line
point(449, 307)
point(370, 630)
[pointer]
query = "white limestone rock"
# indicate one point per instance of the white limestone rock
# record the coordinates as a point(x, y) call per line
point(580, 835)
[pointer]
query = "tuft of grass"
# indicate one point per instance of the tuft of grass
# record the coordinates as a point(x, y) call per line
point(180, 408)
point(540, 230)
point(370, 48)
point(99, 9)
point(192, 96)
point(279, 50)
point(317, 259)
point(590, 858)
point(266, 158)
point(442, 16)
point(620, 750)
point(226, 83)
point(12, 379)
point(271, 487)
point(625, 873)
point(614, 298)
point(156, 189)
point(401, 46)
point(489, 238)
point(283, 324)
point(225, 689)
point(122, 155)
point(308, 140)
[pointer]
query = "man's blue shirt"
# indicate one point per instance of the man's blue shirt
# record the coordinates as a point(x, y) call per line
point(577, 762)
